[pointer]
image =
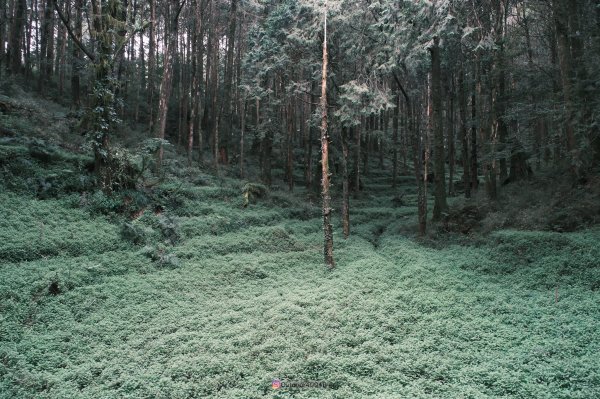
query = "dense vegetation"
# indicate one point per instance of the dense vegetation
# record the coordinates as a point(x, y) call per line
point(173, 175)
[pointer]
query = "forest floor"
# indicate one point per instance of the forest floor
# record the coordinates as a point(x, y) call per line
point(193, 295)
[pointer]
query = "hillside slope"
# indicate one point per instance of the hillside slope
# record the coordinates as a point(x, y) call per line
point(179, 291)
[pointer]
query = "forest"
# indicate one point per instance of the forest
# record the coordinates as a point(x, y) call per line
point(300, 199)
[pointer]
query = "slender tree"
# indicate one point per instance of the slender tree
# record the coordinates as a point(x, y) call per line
point(167, 80)
point(325, 177)
point(440, 205)
point(15, 49)
point(345, 183)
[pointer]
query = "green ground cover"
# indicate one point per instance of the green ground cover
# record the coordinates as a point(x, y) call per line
point(210, 299)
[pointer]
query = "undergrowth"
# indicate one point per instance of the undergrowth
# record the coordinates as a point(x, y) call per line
point(176, 290)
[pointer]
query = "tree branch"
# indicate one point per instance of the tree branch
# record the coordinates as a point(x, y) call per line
point(73, 36)
point(401, 89)
point(179, 10)
point(130, 36)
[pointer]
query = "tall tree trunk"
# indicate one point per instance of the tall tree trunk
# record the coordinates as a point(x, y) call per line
point(183, 88)
point(585, 97)
point(561, 21)
point(46, 36)
point(49, 65)
point(306, 137)
point(501, 98)
point(396, 128)
point(242, 134)
point(61, 44)
point(290, 145)
point(501, 123)
point(28, 41)
point(474, 164)
point(369, 126)
point(420, 166)
point(197, 61)
point(200, 71)
point(309, 143)
point(16, 36)
point(167, 79)
point(357, 155)
point(325, 182)
point(345, 184)
point(451, 140)
point(228, 79)
point(462, 98)
point(214, 81)
point(77, 56)
point(383, 127)
point(152, 62)
point(440, 205)
point(3, 34)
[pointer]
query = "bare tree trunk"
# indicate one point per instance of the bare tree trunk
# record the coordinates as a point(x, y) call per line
point(383, 127)
point(357, 154)
point(325, 182)
point(370, 125)
point(197, 60)
point(420, 166)
point(462, 98)
point(561, 21)
point(183, 92)
point(141, 87)
point(3, 34)
point(77, 56)
point(290, 145)
point(167, 80)
point(200, 71)
point(474, 167)
point(228, 79)
point(28, 41)
point(306, 134)
point(152, 62)
point(61, 44)
point(309, 143)
point(585, 97)
point(214, 81)
point(242, 134)
point(206, 113)
point(45, 37)
point(345, 184)
point(451, 136)
point(440, 205)
point(396, 128)
point(49, 65)
point(16, 37)
point(500, 100)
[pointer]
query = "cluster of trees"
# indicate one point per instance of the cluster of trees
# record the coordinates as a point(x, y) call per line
point(490, 88)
